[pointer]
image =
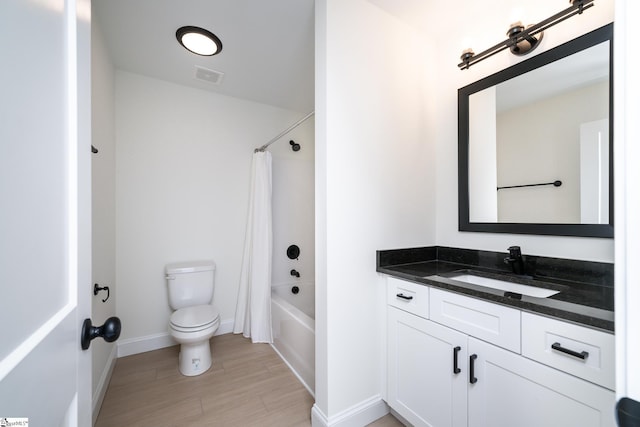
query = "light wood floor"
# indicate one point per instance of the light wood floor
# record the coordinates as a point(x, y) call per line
point(248, 385)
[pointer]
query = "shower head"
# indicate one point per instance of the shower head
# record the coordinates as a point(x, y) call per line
point(294, 145)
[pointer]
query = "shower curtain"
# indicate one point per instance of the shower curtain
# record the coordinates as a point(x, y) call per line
point(253, 312)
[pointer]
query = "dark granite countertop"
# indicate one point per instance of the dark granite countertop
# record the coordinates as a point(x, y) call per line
point(581, 302)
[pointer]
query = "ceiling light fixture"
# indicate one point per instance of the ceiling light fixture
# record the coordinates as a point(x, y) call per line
point(199, 41)
point(523, 40)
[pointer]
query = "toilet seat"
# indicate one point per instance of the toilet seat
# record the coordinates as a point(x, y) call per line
point(194, 319)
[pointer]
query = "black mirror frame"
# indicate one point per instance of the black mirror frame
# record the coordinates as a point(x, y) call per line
point(584, 230)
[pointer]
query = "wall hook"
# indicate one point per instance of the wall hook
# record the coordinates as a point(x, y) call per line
point(97, 288)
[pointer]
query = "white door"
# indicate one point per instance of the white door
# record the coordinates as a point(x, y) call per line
point(45, 206)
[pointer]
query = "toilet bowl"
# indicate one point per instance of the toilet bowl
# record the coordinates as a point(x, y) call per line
point(195, 319)
point(192, 328)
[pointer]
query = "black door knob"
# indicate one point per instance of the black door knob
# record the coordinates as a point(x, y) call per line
point(110, 331)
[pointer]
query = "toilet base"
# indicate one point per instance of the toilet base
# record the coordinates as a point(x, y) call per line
point(194, 359)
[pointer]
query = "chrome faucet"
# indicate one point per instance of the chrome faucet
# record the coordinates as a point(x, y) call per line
point(515, 260)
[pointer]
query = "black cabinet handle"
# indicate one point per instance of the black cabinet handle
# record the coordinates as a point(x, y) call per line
point(456, 370)
point(472, 368)
point(405, 297)
point(582, 355)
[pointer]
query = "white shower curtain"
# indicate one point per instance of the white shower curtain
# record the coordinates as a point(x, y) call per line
point(253, 312)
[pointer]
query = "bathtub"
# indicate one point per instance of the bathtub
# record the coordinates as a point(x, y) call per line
point(293, 323)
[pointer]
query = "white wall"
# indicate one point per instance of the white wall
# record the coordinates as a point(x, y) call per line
point(103, 207)
point(183, 159)
point(293, 205)
point(374, 190)
point(489, 27)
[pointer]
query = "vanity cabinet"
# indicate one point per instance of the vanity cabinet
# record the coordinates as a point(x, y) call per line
point(458, 361)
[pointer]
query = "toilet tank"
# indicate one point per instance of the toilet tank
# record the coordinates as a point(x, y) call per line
point(190, 283)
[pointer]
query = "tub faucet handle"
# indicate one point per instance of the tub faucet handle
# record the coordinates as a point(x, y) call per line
point(294, 273)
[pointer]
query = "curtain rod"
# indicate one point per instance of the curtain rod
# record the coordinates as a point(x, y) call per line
point(286, 131)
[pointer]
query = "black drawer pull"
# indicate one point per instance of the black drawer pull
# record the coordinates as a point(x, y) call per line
point(456, 370)
point(582, 355)
point(472, 369)
point(405, 297)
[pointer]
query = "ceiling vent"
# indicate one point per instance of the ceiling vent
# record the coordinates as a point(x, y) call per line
point(209, 76)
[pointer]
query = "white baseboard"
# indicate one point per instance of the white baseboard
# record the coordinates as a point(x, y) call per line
point(318, 418)
point(103, 383)
point(399, 417)
point(137, 345)
point(226, 327)
point(358, 415)
point(143, 344)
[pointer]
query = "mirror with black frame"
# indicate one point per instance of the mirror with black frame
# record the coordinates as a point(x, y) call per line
point(535, 144)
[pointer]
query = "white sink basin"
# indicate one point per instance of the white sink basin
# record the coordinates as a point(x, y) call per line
point(503, 285)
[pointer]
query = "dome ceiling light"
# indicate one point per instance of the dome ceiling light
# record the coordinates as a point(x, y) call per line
point(199, 41)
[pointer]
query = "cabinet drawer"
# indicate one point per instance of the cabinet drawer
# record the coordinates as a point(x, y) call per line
point(408, 296)
point(489, 322)
point(580, 351)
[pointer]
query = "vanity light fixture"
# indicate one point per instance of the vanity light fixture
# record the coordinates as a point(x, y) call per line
point(525, 43)
point(523, 40)
point(199, 41)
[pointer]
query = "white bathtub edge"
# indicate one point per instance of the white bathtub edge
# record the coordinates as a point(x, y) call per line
point(304, 301)
point(358, 415)
point(302, 381)
point(304, 318)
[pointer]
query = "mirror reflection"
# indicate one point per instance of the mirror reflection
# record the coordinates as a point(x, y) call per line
point(550, 124)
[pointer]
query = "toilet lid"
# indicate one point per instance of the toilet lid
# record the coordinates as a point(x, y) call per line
point(194, 317)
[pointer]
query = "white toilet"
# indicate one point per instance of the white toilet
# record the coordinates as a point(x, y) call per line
point(195, 319)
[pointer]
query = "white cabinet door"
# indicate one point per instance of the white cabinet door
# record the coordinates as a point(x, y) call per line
point(423, 387)
point(514, 391)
